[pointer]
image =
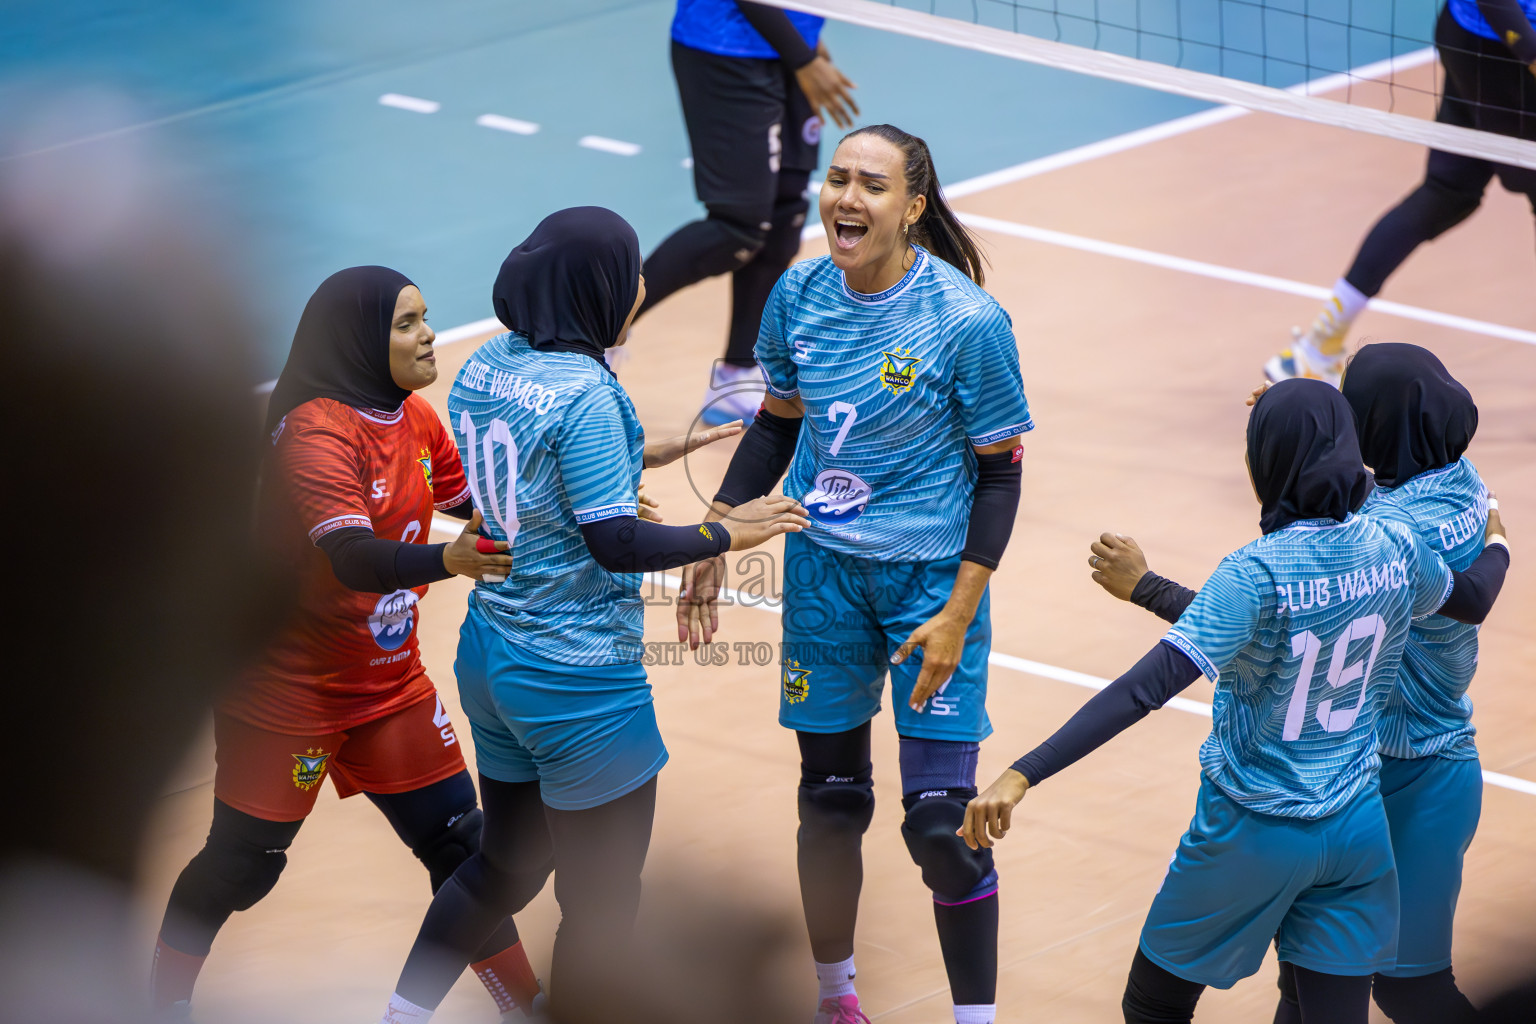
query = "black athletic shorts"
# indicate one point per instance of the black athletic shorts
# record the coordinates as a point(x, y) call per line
point(747, 120)
point(1487, 88)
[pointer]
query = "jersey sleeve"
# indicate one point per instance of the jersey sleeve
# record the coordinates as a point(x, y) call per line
point(988, 383)
point(772, 351)
point(321, 472)
point(450, 488)
point(592, 448)
point(1427, 572)
point(1221, 620)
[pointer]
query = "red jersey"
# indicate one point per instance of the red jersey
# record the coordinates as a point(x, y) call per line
point(346, 657)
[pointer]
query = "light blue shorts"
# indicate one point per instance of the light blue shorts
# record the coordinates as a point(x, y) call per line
point(843, 619)
point(1324, 891)
point(1433, 804)
point(587, 734)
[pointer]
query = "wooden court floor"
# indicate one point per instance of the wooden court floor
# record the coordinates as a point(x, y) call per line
point(1135, 374)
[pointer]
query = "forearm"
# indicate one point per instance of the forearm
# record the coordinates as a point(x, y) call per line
point(1163, 672)
point(1162, 597)
point(1474, 590)
point(774, 25)
point(629, 544)
point(373, 565)
point(970, 584)
point(1514, 29)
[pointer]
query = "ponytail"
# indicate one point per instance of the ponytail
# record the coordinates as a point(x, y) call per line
point(938, 229)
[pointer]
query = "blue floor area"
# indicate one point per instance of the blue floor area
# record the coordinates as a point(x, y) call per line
point(268, 111)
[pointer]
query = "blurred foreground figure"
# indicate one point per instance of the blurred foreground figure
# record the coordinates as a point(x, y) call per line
point(131, 417)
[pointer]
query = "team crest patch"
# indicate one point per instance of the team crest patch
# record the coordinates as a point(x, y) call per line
point(898, 371)
point(309, 768)
point(425, 458)
point(797, 682)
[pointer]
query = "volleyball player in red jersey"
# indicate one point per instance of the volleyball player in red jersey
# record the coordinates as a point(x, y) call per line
point(355, 469)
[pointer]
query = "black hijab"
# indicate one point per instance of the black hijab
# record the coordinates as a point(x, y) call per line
point(570, 285)
point(341, 349)
point(1303, 455)
point(1411, 414)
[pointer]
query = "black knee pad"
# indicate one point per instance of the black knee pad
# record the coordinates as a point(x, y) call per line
point(836, 805)
point(456, 843)
point(1429, 997)
point(1155, 996)
point(729, 238)
point(953, 871)
point(782, 243)
point(237, 872)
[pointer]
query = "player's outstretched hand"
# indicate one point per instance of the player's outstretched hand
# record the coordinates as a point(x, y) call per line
point(648, 506)
point(670, 449)
point(828, 89)
point(1495, 527)
point(989, 815)
point(942, 638)
point(1257, 392)
point(698, 619)
point(1117, 563)
point(761, 518)
point(466, 555)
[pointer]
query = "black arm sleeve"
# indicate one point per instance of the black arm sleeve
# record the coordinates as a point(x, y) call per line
point(1159, 675)
point(1474, 591)
point(1514, 29)
point(774, 25)
point(628, 544)
point(364, 562)
point(463, 510)
point(1162, 597)
point(761, 458)
point(994, 506)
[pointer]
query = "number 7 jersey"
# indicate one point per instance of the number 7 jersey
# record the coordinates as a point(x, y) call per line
point(1302, 632)
point(897, 388)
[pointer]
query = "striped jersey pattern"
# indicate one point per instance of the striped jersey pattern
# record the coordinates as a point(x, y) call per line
point(898, 387)
point(549, 441)
point(1302, 631)
point(1429, 713)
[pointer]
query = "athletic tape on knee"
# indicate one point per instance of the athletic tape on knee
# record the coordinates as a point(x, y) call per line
point(939, 779)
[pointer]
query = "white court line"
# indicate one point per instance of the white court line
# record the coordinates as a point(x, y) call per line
point(606, 145)
point(506, 124)
point(446, 524)
point(1248, 277)
point(415, 104)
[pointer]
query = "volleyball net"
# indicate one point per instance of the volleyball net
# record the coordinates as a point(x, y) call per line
point(1365, 65)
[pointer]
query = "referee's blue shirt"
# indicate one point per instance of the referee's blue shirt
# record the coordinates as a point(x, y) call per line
point(718, 27)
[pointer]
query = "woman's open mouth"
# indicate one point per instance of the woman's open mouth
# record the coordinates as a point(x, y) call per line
point(850, 233)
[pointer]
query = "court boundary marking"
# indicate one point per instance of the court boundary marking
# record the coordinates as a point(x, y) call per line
point(1025, 666)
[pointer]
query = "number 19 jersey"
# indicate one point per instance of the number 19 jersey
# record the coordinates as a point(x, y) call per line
point(1302, 632)
point(898, 386)
point(550, 441)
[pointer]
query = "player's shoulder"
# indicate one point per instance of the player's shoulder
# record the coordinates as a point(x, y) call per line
point(316, 419)
point(965, 301)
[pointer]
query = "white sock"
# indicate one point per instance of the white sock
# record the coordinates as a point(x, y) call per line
point(1339, 312)
point(835, 979)
point(976, 1013)
point(403, 1011)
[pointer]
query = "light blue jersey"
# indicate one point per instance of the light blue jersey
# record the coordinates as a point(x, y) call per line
point(1430, 713)
point(897, 387)
point(550, 441)
point(1302, 631)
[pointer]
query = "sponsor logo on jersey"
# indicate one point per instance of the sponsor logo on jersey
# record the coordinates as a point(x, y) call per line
point(277, 431)
point(797, 682)
point(309, 768)
point(898, 371)
point(810, 131)
point(837, 497)
point(425, 458)
point(393, 619)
